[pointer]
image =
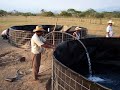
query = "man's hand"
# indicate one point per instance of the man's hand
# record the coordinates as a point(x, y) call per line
point(52, 46)
point(48, 46)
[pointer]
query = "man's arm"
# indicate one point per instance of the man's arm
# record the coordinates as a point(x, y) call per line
point(74, 34)
point(43, 44)
point(48, 45)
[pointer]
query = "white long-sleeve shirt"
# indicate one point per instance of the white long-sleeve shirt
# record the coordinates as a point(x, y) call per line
point(109, 30)
point(5, 32)
point(36, 42)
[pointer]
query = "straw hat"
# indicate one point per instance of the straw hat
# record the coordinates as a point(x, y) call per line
point(110, 21)
point(77, 28)
point(38, 28)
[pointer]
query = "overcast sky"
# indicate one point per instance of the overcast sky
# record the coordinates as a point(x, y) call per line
point(53, 5)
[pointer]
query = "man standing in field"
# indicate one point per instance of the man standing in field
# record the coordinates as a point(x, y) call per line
point(37, 44)
point(109, 29)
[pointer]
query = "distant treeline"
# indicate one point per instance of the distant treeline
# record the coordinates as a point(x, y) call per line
point(90, 13)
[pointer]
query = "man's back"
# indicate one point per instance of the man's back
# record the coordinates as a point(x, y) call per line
point(4, 32)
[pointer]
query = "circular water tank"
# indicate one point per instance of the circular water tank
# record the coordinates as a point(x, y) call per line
point(20, 35)
point(71, 64)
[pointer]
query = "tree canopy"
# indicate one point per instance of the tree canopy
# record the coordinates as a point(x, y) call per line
point(90, 13)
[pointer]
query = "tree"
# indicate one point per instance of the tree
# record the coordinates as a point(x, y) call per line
point(47, 13)
point(116, 14)
point(28, 14)
point(74, 12)
point(65, 13)
point(90, 13)
point(99, 15)
point(82, 14)
point(107, 15)
point(3, 13)
point(42, 11)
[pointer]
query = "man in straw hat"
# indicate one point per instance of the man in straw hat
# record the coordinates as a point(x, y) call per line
point(77, 32)
point(37, 44)
point(109, 29)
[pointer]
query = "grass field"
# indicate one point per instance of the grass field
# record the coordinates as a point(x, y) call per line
point(93, 25)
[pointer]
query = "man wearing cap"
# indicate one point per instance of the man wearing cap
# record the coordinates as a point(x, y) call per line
point(77, 32)
point(37, 44)
point(109, 29)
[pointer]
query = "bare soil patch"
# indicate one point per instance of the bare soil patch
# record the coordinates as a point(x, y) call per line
point(11, 66)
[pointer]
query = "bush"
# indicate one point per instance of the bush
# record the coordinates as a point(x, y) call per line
point(49, 13)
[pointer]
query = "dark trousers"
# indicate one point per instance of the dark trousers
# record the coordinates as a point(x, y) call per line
point(4, 36)
point(36, 64)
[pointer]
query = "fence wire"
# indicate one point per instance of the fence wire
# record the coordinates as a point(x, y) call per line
point(20, 38)
point(64, 78)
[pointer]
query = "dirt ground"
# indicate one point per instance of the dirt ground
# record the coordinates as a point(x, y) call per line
point(10, 64)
